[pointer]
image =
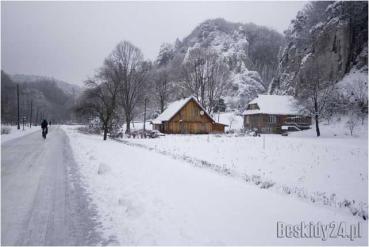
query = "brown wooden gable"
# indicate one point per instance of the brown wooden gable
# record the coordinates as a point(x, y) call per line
point(190, 112)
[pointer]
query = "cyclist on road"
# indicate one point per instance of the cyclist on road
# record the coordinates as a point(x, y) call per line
point(44, 128)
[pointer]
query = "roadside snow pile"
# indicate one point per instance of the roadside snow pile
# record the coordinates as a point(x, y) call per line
point(327, 171)
point(13, 132)
point(151, 199)
point(5, 130)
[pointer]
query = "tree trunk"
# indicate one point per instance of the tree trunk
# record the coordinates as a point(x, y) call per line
point(128, 123)
point(161, 105)
point(105, 131)
point(316, 118)
point(317, 125)
point(18, 122)
point(144, 126)
point(30, 117)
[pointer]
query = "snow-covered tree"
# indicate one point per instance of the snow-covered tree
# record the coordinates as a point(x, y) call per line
point(128, 66)
point(162, 87)
point(101, 97)
point(205, 76)
point(166, 54)
point(314, 93)
point(351, 123)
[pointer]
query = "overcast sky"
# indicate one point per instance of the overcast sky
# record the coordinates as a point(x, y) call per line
point(69, 40)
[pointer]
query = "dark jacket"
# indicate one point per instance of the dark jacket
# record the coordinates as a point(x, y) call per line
point(44, 124)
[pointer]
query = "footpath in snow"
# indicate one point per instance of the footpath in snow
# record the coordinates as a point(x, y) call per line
point(144, 197)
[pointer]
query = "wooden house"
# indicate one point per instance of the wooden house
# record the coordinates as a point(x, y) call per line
point(274, 113)
point(186, 116)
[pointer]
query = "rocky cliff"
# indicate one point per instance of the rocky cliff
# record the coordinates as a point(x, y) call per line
point(334, 34)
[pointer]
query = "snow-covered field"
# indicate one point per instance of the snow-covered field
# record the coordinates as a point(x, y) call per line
point(331, 170)
point(154, 194)
point(15, 133)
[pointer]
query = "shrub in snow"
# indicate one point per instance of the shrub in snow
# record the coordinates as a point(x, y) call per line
point(351, 123)
point(231, 131)
point(246, 178)
point(103, 168)
point(286, 189)
point(5, 130)
point(266, 184)
point(256, 179)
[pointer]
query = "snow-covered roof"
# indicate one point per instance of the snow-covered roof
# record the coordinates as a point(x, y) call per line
point(175, 107)
point(274, 104)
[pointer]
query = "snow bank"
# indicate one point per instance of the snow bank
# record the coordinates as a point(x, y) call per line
point(15, 133)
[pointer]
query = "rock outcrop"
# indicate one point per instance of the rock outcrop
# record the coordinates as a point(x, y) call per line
point(332, 34)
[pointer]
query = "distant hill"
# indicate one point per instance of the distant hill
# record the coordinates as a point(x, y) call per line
point(67, 88)
point(51, 98)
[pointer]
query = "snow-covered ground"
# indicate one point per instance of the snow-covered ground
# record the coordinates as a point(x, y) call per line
point(336, 129)
point(330, 170)
point(147, 197)
point(15, 133)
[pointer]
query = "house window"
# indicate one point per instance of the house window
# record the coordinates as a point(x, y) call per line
point(272, 119)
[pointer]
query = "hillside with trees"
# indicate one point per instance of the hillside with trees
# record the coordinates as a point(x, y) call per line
point(246, 53)
point(39, 97)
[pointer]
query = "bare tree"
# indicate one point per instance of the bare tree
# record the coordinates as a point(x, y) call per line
point(194, 73)
point(351, 123)
point(217, 82)
point(231, 119)
point(314, 93)
point(161, 86)
point(130, 70)
point(101, 97)
point(357, 95)
point(205, 76)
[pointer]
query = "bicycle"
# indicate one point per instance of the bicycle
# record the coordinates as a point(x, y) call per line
point(44, 133)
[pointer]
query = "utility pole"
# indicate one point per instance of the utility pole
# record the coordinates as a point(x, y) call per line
point(30, 116)
point(144, 127)
point(36, 117)
point(18, 123)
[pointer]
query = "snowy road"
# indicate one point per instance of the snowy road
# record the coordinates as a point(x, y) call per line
point(42, 201)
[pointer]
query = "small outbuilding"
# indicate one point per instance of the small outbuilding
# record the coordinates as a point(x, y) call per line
point(186, 116)
point(275, 114)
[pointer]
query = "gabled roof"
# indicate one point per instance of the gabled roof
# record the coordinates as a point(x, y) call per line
point(174, 107)
point(274, 104)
